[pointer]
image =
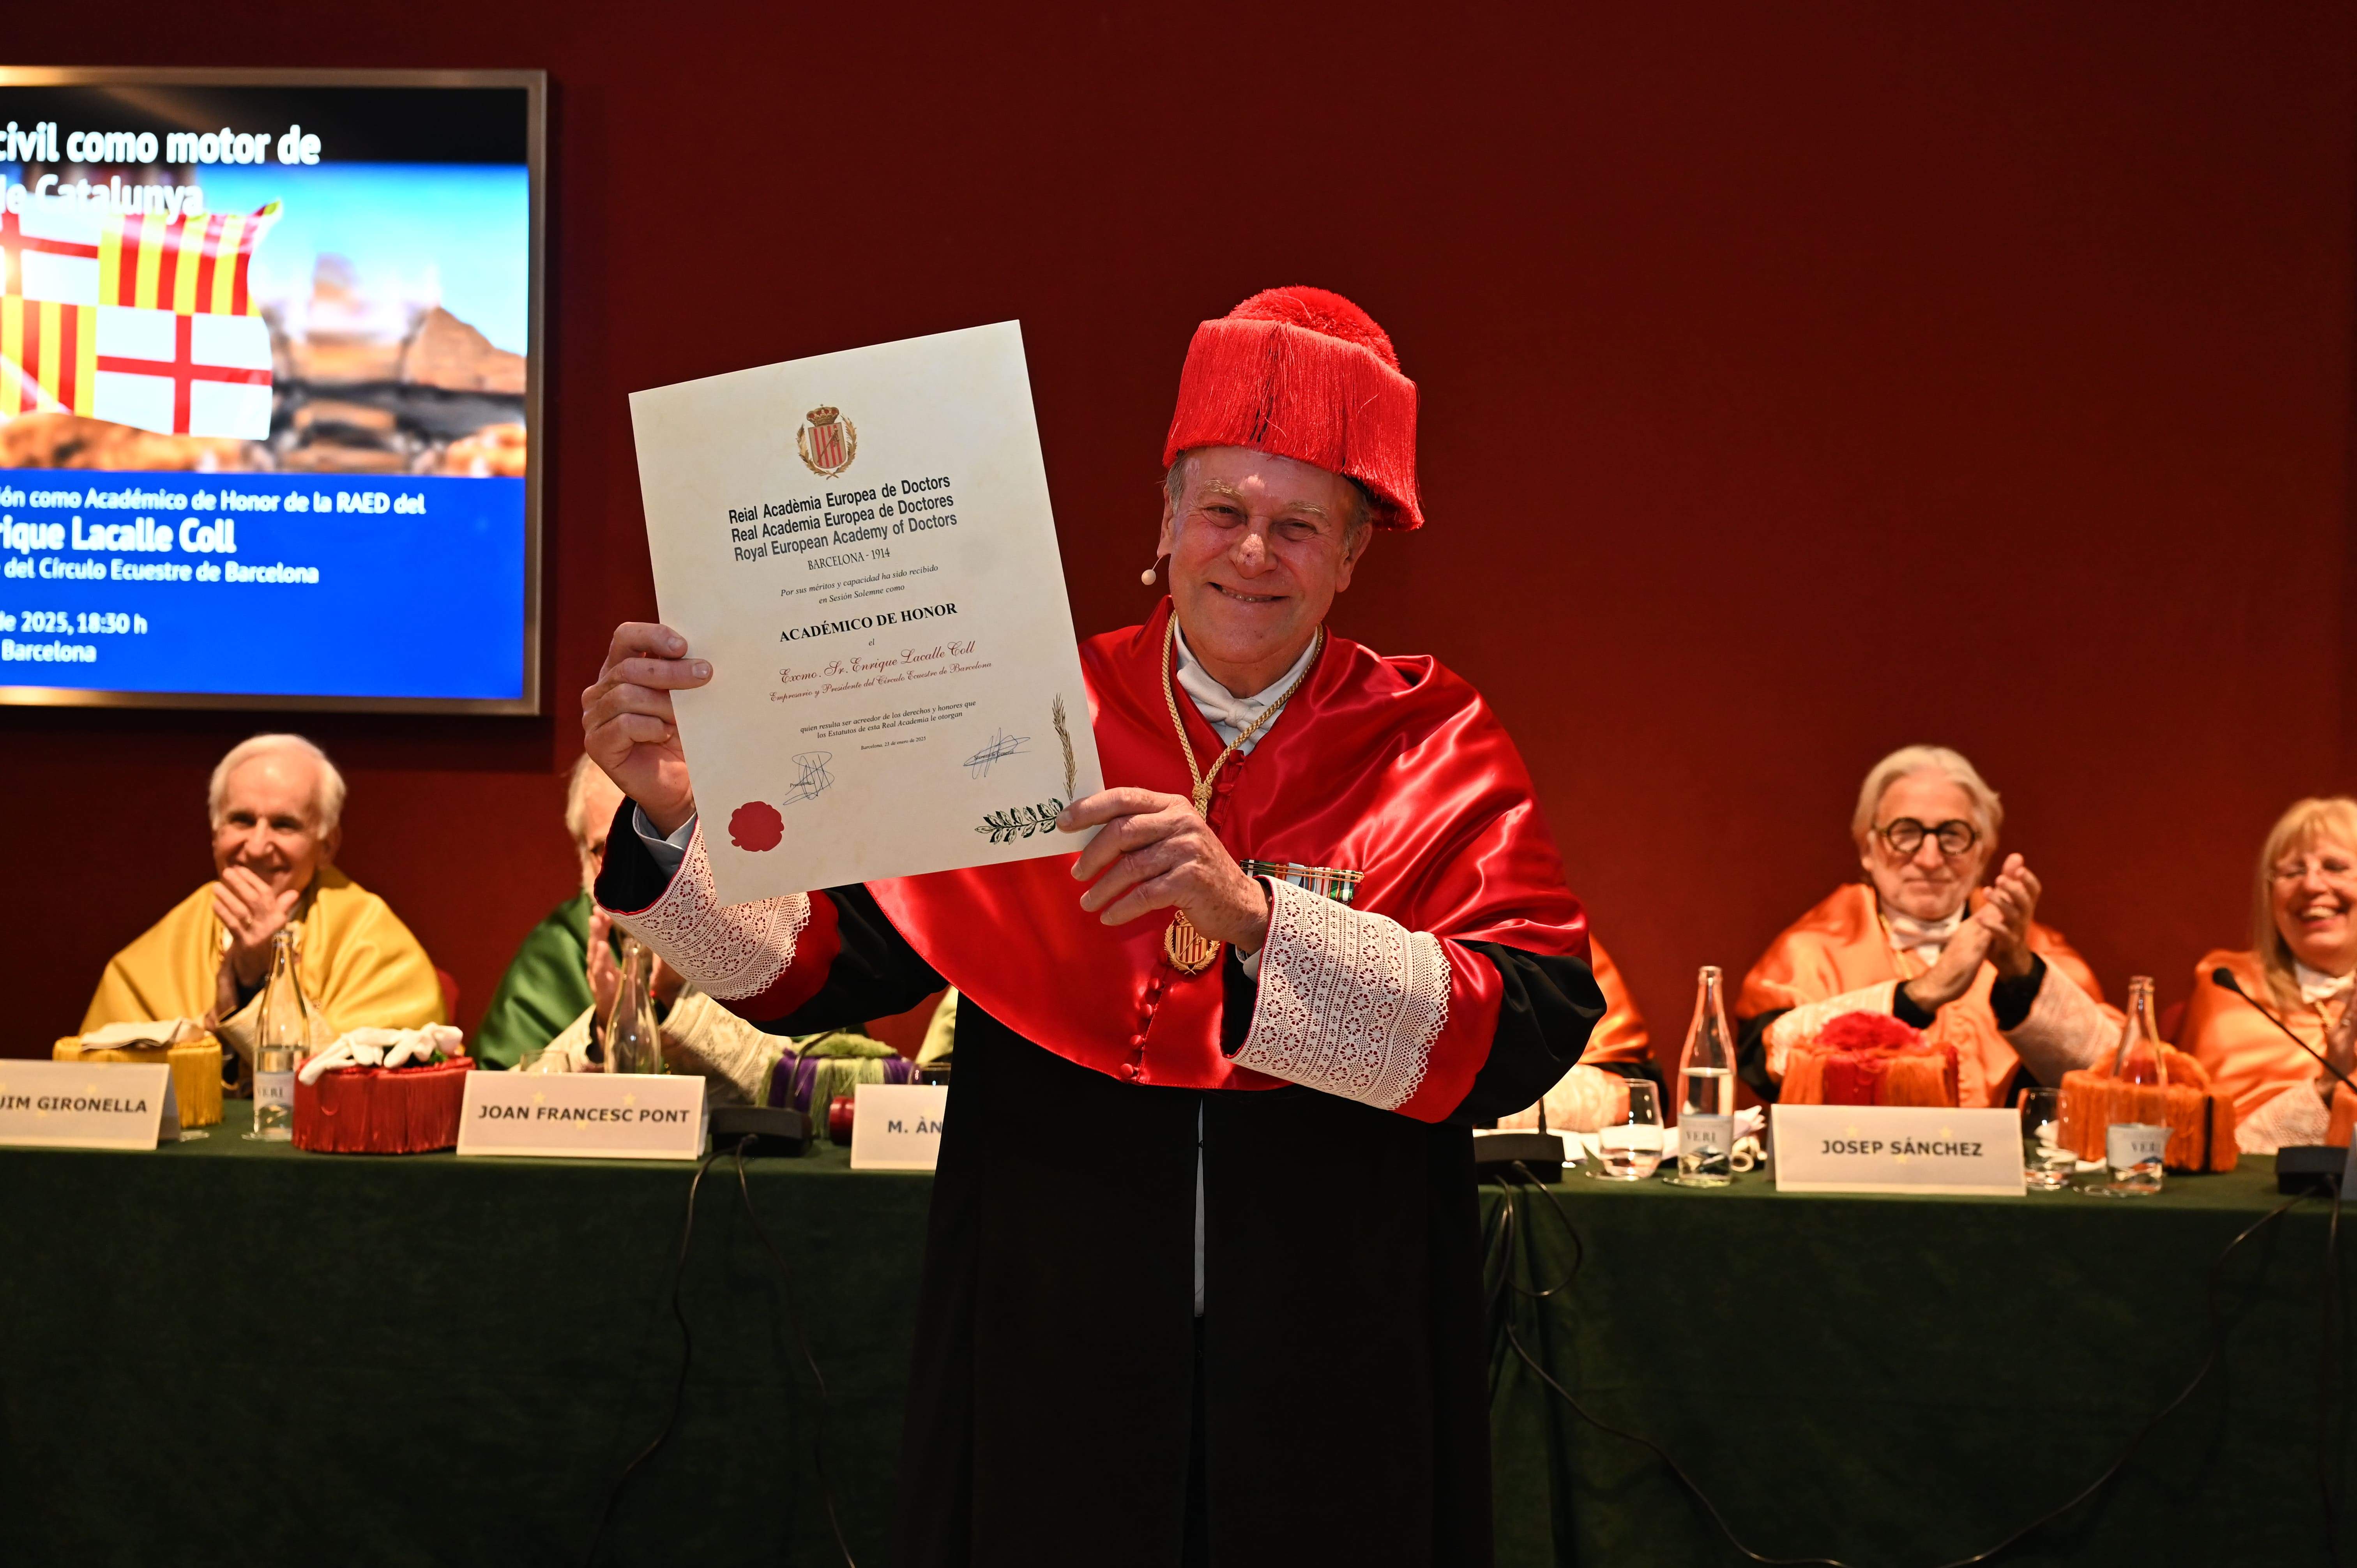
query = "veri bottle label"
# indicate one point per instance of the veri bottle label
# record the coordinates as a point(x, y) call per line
point(2127, 1144)
point(273, 1089)
point(1705, 1135)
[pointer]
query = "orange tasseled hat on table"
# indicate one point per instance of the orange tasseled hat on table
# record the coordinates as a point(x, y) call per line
point(1304, 373)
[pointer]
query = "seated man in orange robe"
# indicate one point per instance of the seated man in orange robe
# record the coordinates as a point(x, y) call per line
point(2301, 968)
point(1920, 939)
point(1594, 1094)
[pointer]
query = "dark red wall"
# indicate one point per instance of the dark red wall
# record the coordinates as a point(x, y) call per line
point(1799, 380)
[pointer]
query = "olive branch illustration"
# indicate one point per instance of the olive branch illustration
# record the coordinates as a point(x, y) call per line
point(1023, 821)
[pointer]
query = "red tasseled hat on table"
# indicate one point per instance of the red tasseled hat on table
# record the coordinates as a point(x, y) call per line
point(1303, 373)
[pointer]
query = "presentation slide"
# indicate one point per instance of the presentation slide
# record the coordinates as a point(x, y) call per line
point(265, 353)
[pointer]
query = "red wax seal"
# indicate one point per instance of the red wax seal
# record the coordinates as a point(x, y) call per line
point(838, 1119)
point(756, 825)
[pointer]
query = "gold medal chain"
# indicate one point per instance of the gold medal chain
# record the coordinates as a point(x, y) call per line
point(1188, 950)
point(1202, 781)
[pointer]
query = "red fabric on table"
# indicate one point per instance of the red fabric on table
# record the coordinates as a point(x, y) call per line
point(380, 1111)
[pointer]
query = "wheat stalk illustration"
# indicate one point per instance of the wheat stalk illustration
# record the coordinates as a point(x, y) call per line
point(1072, 770)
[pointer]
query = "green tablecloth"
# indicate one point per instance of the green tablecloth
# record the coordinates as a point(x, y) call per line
point(228, 1351)
point(1903, 1381)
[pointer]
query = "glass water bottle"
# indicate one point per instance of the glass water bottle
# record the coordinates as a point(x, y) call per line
point(632, 1041)
point(2137, 1136)
point(1706, 1091)
point(287, 1031)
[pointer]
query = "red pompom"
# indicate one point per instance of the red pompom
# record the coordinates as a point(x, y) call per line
point(1320, 310)
point(756, 825)
point(1868, 1031)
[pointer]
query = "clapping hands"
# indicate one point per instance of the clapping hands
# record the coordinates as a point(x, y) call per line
point(2007, 912)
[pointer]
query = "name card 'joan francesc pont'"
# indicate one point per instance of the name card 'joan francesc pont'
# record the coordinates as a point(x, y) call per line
point(861, 545)
point(596, 1115)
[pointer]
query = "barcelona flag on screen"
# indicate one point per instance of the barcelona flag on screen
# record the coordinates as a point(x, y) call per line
point(135, 318)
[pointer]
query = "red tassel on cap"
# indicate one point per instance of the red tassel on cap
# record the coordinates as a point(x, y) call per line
point(1304, 373)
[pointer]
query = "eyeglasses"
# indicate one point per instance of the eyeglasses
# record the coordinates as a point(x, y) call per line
point(1906, 835)
point(2328, 866)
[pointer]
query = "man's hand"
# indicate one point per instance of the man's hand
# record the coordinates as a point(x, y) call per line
point(2012, 902)
point(252, 913)
point(628, 724)
point(1152, 852)
point(1953, 975)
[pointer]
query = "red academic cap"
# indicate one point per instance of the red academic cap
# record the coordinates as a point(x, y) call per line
point(1304, 373)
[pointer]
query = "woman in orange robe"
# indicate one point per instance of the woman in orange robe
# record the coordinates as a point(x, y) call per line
point(1920, 939)
point(2300, 968)
point(1595, 1092)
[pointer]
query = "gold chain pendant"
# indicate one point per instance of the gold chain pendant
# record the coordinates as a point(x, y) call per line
point(1189, 949)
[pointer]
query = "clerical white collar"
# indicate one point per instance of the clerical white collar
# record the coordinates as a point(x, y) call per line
point(1229, 714)
point(2315, 986)
point(1922, 937)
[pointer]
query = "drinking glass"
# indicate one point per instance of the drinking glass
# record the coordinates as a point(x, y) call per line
point(2046, 1163)
point(1630, 1148)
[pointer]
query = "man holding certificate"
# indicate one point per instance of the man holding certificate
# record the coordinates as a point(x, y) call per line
point(1202, 1276)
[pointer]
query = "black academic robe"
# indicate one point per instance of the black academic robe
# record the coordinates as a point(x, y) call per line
point(1067, 1404)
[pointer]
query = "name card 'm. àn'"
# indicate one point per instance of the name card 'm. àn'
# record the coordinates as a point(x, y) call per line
point(88, 1105)
point(589, 1115)
point(896, 1126)
point(1897, 1148)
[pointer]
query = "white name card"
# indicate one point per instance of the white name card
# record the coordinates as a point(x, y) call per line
point(88, 1105)
point(896, 1126)
point(583, 1115)
point(1898, 1148)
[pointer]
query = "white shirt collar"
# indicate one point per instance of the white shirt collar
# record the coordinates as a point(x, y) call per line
point(1922, 937)
point(2316, 986)
point(1229, 714)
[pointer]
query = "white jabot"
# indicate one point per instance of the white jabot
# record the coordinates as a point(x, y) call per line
point(1229, 714)
point(2316, 986)
point(1924, 938)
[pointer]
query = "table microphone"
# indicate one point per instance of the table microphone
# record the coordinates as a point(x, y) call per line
point(2224, 979)
point(2301, 1167)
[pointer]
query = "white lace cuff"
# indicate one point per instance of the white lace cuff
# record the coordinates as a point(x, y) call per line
point(728, 951)
point(1348, 1003)
point(2066, 1029)
point(2294, 1116)
point(733, 1056)
point(1801, 1024)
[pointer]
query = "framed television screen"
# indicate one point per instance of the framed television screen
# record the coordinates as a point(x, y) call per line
point(270, 357)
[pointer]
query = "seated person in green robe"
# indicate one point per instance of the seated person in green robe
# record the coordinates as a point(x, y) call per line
point(547, 984)
point(561, 984)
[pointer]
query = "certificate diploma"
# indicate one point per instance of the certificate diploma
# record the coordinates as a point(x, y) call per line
point(861, 544)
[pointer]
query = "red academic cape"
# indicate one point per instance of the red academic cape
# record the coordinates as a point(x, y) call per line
point(1393, 767)
point(1068, 1400)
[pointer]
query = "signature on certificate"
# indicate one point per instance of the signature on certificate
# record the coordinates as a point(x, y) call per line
point(1000, 747)
point(811, 776)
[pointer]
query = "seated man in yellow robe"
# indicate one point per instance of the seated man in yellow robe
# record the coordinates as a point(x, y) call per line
point(277, 808)
point(1921, 940)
